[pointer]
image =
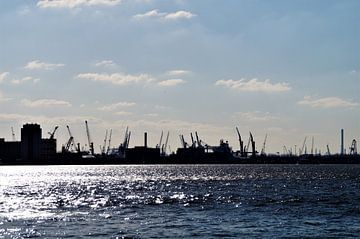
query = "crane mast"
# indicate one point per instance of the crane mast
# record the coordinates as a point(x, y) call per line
point(109, 143)
point(91, 145)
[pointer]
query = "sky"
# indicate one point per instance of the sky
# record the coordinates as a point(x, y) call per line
point(288, 69)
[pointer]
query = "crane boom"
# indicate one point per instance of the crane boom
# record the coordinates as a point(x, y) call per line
point(91, 145)
point(253, 145)
point(52, 134)
point(166, 143)
point(240, 142)
point(161, 136)
point(264, 144)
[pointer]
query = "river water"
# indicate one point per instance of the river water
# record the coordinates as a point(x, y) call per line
point(207, 201)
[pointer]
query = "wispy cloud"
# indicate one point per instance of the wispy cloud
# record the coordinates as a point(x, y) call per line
point(3, 76)
point(107, 63)
point(45, 103)
point(171, 82)
point(254, 85)
point(256, 116)
point(116, 78)
point(75, 3)
point(177, 72)
point(164, 15)
point(25, 79)
point(36, 65)
point(327, 102)
point(115, 106)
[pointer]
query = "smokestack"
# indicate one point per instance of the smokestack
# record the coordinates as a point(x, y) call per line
point(342, 142)
point(145, 140)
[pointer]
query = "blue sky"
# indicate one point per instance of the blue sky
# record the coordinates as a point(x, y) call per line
point(289, 69)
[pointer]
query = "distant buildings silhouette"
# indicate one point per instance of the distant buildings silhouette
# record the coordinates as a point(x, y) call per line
point(32, 149)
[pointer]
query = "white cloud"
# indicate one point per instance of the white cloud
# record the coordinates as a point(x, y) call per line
point(327, 102)
point(165, 16)
point(107, 63)
point(171, 82)
point(36, 64)
point(3, 76)
point(115, 106)
point(254, 85)
point(25, 79)
point(256, 116)
point(178, 72)
point(75, 3)
point(123, 113)
point(45, 103)
point(179, 15)
point(116, 78)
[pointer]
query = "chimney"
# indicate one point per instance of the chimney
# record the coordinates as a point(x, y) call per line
point(342, 142)
point(145, 140)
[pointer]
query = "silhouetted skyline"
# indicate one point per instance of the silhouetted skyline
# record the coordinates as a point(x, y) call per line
point(282, 68)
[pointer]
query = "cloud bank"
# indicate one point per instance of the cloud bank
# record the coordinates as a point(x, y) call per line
point(116, 78)
point(45, 103)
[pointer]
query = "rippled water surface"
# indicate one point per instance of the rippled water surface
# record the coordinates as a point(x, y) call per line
point(224, 201)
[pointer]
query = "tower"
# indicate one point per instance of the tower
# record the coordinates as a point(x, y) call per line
point(31, 142)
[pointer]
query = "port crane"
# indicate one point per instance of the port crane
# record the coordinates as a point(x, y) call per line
point(103, 148)
point(91, 144)
point(253, 145)
point(109, 142)
point(303, 146)
point(71, 141)
point(262, 152)
point(353, 147)
point(240, 142)
point(164, 146)
point(52, 134)
point(161, 136)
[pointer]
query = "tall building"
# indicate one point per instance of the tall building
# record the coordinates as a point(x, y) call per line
point(31, 143)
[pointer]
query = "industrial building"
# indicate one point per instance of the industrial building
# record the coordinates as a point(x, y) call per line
point(32, 149)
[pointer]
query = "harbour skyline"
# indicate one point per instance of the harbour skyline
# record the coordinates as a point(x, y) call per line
point(289, 70)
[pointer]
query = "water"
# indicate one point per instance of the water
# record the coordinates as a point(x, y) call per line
point(209, 201)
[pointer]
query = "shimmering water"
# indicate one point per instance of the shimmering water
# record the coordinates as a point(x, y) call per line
point(224, 201)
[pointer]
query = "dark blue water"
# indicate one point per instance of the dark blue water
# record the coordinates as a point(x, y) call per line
point(221, 201)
